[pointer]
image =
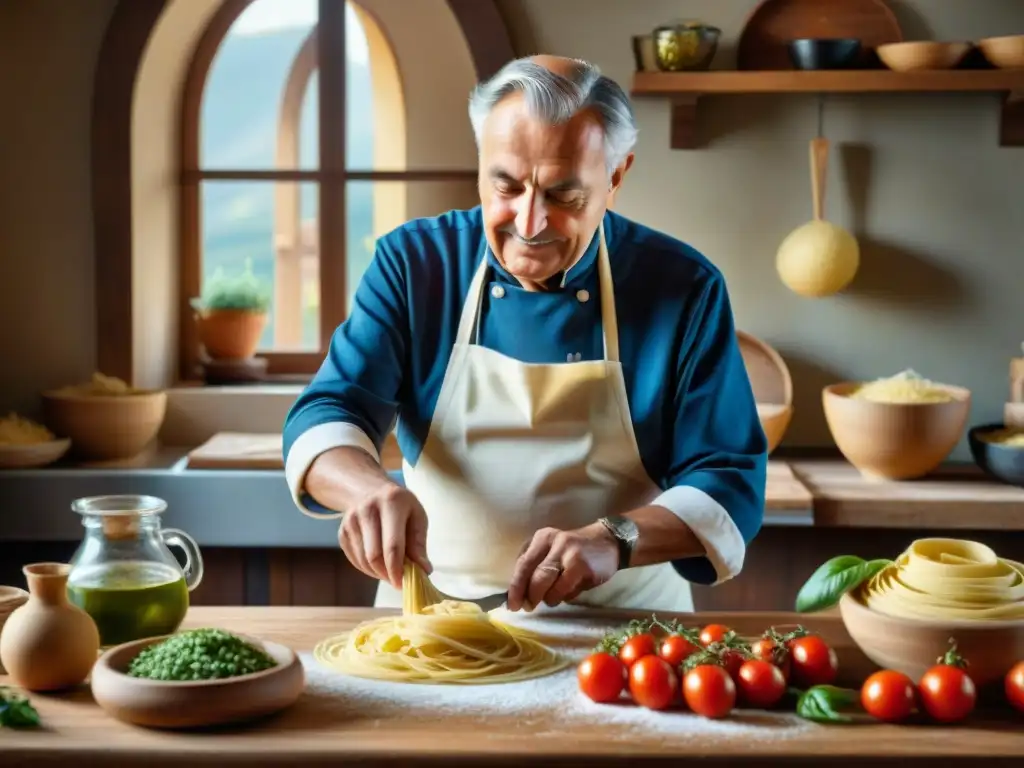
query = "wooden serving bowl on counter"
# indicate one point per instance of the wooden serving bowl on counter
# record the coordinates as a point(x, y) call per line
point(911, 645)
point(894, 441)
point(195, 703)
point(106, 427)
point(772, 384)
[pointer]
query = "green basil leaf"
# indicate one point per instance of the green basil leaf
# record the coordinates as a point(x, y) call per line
point(833, 579)
point(16, 711)
point(826, 704)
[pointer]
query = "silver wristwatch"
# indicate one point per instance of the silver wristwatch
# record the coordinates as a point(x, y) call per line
point(625, 532)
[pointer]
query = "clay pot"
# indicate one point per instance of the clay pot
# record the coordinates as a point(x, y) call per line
point(48, 644)
point(230, 334)
point(11, 598)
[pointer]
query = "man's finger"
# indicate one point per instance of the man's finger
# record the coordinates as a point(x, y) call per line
point(351, 539)
point(524, 570)
point(373, 551)
point(543, 578)
point(393, 544)
point(416, 540)
point(569, 583)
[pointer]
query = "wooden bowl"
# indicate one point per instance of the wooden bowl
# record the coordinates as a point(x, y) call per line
point(922, 54)
point(1006, 52)
point(911, 646)
point(774, 421)
point(195, 704)
point(26, 455)
point(894, 441)
point(106, 427)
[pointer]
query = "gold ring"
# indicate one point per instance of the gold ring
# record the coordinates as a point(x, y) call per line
point(550, 567)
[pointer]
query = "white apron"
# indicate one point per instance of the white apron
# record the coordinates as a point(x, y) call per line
point(515, 447)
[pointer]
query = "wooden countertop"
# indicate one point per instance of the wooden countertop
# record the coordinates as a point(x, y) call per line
point(317, 730)
point(954, 497)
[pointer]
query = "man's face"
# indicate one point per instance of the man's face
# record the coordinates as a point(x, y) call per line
point(543, 188)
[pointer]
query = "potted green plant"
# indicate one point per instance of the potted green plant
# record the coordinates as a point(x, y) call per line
point(231, 314)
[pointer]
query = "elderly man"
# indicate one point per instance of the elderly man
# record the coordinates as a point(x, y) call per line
point(574, 414)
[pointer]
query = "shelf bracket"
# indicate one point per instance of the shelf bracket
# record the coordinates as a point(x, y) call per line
point(1011, 120)
point(683, 128)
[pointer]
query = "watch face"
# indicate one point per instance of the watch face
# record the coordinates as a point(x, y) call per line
point(624, 528)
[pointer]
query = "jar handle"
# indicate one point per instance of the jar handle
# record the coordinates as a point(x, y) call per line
point(193, 569)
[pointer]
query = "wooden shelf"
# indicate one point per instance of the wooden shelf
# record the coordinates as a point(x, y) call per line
point(685, 89)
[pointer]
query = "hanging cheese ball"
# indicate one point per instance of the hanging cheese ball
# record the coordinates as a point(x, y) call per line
point(818, 259)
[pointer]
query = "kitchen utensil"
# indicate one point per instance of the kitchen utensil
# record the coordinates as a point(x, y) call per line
point(818, 258)
point(818, 53)
point(1006, 52)
point(124, 575)
point(28, 455)
point(688, 45)
point(894, 441)
point(199, 703)
point(1013, 414)
point(1005, 462)
point(911, 646)
point(922, 55)
point(485, 604)
point(643, 53)
point(48, 644)
point(105, 427)
point(763, 44)
point(238, 450)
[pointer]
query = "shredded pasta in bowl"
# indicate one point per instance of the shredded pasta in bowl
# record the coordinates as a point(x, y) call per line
point(18, 430)
point(435, 640)
point(905, 388)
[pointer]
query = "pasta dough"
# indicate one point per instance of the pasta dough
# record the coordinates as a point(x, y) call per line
point(904, 387)
point(948, 579)
point(436, 640)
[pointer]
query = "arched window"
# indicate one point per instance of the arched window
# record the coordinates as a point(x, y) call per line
point(310, 127)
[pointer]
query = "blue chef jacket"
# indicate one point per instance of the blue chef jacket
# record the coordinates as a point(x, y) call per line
point(692, 407)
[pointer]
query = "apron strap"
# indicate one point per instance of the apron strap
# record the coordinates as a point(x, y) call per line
point(609, 321)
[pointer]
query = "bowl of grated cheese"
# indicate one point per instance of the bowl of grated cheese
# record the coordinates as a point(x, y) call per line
point(106, 418)
point(896, 428)
point(25, 444)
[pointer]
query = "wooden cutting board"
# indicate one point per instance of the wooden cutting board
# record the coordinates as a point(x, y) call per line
point(250, 450)
point(238, 450)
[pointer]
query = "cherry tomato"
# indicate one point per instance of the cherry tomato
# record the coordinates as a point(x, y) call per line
point(813, 661)
point(713, 633)
point(675, 649)
point(1015, 686)
point(947, 693)
point(709, 691)
point(732, 660)
point(636, 647)
point(652, 682)
point(768, 650)
point(760, 683)
point(602, 677)
point(888, 695)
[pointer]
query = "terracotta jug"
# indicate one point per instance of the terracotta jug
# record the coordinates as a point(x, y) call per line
point(48, 644)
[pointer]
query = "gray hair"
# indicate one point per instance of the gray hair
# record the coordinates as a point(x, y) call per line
point(555, 99)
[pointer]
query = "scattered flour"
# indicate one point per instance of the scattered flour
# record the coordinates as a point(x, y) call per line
point(553, 703)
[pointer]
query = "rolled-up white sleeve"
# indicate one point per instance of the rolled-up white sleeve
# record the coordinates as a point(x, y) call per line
point(712, 525)
point(312, 443)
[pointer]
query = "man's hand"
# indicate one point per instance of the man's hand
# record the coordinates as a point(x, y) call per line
point(386, 527)
point(556, 566)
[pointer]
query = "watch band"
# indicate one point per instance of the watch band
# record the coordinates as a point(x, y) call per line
point(626, 533)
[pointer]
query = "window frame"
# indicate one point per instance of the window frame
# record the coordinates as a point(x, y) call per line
point(331, 177)
point(128, 33)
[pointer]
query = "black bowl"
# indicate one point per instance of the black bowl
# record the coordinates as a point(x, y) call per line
point(1001, 461)
point(822, 53)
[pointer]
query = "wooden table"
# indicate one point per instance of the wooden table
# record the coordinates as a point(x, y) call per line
point(77, 732)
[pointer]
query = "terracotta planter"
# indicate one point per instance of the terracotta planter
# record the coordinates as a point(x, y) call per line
point(230, 334)
point(48, 644)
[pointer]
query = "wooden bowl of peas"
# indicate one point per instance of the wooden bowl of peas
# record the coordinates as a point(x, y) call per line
point(196, 678)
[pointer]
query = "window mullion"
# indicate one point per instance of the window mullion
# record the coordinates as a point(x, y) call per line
point(331, 83)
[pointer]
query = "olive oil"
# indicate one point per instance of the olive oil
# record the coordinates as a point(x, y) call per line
point(131, 600)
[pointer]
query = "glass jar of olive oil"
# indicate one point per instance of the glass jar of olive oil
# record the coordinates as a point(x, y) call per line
point(123, 573)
